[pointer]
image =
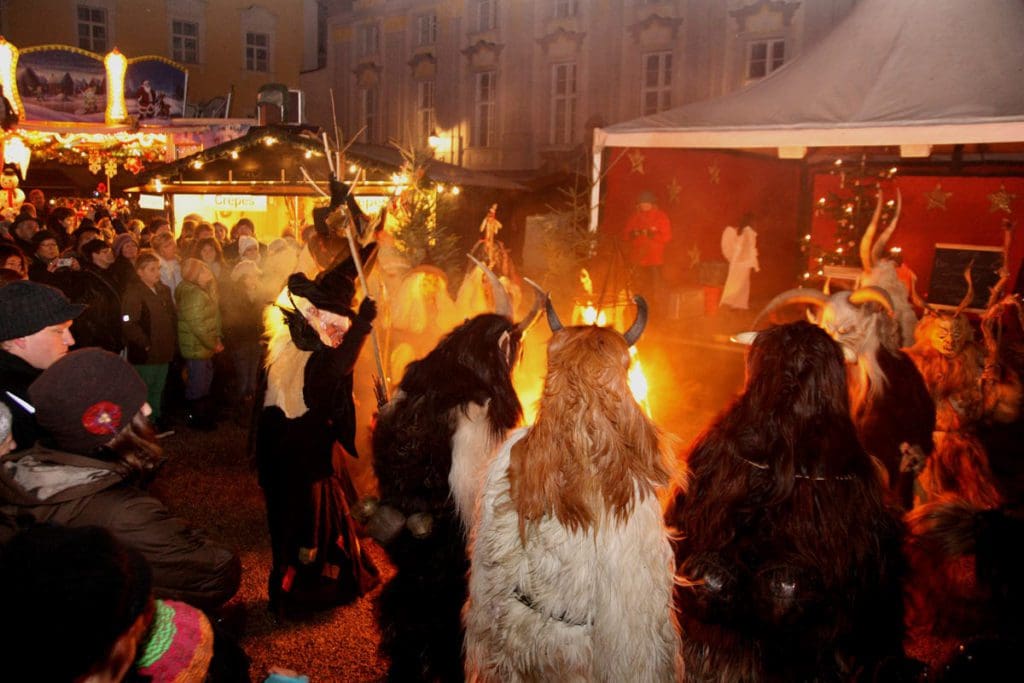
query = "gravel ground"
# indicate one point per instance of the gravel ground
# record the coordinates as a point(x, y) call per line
point(208, 480)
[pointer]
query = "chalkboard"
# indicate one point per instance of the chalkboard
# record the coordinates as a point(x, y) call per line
point(947, 287)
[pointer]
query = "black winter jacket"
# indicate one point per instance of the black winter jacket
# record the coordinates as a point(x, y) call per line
point(187, 565)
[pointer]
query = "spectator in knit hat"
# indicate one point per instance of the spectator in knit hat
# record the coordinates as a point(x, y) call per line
point(93, 404)
point(248, 249)
point(126, 249)
point(109, 627)
point(35, 330)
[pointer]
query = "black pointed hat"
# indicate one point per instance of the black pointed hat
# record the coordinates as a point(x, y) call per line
point(333, 289)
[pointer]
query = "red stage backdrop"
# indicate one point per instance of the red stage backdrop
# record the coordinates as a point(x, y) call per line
point(952, 209)
point(703, 192)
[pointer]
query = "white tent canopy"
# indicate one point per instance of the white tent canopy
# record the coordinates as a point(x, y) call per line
point(912, 73)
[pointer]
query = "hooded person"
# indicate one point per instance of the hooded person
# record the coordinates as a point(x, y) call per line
point(93, 405)
point(305, 426)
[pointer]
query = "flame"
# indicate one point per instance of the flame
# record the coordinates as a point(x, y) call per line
point(638, 381)
point(593, 316)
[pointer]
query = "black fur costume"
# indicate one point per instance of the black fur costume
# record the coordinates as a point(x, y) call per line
point(317, 558)
point(789, 559)
point(903, 412)
point(413, 458)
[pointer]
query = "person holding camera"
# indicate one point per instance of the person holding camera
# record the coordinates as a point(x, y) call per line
point(645, 235)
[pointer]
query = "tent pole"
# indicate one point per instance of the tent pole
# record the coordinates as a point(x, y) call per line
point(595, 187)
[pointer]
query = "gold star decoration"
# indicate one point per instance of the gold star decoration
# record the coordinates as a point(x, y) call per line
point(1000, 201)
point(937, 198)
point(636, 158)
point(694, 254)
point(674, 188)
point(714, 174)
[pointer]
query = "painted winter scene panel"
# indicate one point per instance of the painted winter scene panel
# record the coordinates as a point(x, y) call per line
point(62, 84)
point(155, 88)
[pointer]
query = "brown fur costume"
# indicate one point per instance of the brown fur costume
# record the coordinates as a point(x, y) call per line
point(789, 558)
point(571, 567)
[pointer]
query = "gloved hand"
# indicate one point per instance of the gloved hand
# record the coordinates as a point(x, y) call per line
point(367, 310)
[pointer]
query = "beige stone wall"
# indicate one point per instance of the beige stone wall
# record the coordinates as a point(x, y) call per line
point(139, 28)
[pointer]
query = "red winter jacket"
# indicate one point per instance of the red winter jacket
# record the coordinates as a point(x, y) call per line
point(646, 234)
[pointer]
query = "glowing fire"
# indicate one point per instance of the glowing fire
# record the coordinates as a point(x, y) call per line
point(590, 315)
point(638, 381)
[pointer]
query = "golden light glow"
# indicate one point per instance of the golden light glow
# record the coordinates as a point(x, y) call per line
point(456, 189)
point(441, 144)
point(116, 65)
point(234, 154)
point(17, 152)
point(8, 67)
point(638, 381)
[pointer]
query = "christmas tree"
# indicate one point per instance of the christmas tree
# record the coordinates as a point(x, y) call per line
point(851, 208)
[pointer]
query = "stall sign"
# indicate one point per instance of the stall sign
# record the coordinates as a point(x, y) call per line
point(151, 201)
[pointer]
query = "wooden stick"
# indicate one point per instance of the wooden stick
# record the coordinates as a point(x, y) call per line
point(313, 183)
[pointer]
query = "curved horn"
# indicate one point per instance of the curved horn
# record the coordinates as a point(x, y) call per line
point(872, 293)
point(553, 322)
point(637, 328)
point(883, 239)
point(799, 295)
point(869, 236)
point(970, 291)
point(915, 298)
point(502, 302)
point(539, 296)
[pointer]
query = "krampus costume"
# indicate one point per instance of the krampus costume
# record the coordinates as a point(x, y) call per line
point(572, 569)
point(965, 593)
point(308, 413)
point(789, 558)
point(431, 445)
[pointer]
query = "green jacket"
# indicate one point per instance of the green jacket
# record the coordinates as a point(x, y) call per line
point(198, 321)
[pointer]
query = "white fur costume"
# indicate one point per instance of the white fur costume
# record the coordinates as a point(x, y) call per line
point(568, 606)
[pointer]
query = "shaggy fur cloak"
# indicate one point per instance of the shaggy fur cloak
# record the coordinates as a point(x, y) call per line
point(565, 605)
point(431, 446)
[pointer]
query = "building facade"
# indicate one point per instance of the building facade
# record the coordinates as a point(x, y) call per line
point(228, 46)
point(515, 85)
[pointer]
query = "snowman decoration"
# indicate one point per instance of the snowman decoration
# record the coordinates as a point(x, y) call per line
point(11, 196)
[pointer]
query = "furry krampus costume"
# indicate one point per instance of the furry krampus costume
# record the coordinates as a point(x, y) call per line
point(308, 412)
point(431, 445)
point(571, 574)
point(965, 593)
point(789, 560)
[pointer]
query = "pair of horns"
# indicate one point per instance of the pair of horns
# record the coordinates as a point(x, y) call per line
point(631, 336)
point(870, 248)
point(806, 295)
point(502, 301)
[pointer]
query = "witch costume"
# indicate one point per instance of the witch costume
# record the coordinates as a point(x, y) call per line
point(307, 418)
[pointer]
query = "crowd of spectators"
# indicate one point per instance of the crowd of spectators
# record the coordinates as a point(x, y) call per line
point(185, 310)
point(110, 332)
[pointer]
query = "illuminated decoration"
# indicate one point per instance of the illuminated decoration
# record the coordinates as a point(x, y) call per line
point(851, 207)
point(8, 67)
point(132, 150)
point(116, 65)
point(441, 144)
point(17, 152)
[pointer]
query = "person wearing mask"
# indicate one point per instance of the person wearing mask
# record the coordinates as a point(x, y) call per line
point(150, 331)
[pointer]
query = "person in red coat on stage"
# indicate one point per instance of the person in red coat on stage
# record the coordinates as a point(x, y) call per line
point(645, 235)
